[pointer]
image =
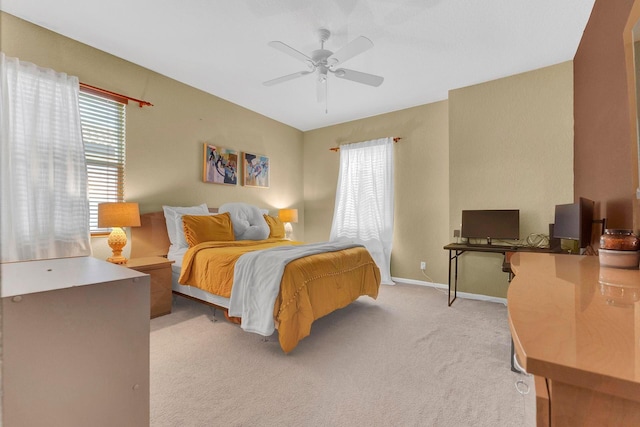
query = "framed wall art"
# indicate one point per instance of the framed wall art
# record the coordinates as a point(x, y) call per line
point(255, 170)
point(220, 165)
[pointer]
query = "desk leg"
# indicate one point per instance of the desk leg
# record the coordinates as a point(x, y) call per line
point(449, 280)
point(455, 283)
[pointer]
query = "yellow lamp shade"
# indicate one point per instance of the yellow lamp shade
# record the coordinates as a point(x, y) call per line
point(118, 215)
point(288, 215)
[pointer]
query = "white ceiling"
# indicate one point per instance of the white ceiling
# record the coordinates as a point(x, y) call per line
point(423, 48)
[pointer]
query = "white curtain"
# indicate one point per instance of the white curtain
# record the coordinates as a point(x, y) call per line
point(44, 206)
point(364, 200)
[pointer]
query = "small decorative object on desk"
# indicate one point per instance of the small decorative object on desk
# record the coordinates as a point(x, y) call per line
point(620, 240)
point(619, 248)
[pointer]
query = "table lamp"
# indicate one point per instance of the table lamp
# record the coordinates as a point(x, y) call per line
point(118, 215)
point(288, 216)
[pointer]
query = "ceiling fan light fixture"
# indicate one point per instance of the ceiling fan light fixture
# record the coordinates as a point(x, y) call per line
point(322, 74)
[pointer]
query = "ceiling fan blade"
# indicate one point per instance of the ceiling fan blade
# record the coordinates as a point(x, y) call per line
point(286, 78)
point(285, 48)
point(359, 77)
point(353, 48)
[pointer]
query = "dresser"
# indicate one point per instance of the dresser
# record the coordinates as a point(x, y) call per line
point(576, 328)
point(75, 344)
point(159, 270)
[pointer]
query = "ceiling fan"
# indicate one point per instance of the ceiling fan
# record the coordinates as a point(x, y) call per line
point(323, 61)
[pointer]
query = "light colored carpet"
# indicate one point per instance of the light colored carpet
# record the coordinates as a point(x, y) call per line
point(404, 360)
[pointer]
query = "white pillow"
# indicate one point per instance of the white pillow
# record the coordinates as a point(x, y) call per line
point(248, 221)
point(173, 217)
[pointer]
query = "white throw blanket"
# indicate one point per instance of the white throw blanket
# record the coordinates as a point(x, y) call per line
point(256, 282)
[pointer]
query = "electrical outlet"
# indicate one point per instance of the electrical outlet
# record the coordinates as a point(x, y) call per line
point(456, 233)
point(423, 265)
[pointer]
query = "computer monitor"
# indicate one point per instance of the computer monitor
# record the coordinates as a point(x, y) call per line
point(574, 221)
point(491, 224)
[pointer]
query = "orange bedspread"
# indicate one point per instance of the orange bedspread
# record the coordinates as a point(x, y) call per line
point(311, 287)
point(209, 265)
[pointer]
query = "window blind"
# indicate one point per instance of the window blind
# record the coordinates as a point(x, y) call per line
point(103, 133)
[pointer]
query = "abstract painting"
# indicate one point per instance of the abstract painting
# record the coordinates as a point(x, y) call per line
point(255, 170)
point(220, 165)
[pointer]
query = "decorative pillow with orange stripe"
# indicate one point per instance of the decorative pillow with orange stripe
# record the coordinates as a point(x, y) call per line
point(276, 227)
point(207, 228)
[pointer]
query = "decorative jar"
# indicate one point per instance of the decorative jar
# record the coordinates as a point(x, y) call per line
point(619, 240)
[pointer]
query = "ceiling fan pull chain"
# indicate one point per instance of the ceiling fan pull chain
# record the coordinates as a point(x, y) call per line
point(326, 97)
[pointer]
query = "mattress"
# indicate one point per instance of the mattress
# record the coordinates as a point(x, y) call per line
point(191, 291)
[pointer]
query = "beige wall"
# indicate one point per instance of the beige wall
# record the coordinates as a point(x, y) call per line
point(510, 147)
point(164, 142)
point(421, 183)
point(497, 145)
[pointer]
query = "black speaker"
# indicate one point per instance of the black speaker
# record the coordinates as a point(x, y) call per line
point(553, 242)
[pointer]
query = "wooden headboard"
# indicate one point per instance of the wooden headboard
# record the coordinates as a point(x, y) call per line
point(151, 238)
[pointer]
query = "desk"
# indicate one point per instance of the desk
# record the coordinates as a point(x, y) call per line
point(576, 326)
point(457, 249)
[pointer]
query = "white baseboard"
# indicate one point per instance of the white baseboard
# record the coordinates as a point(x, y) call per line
point(465, 295)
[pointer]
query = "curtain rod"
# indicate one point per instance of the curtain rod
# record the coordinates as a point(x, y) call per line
point(113, 96)
point(336, 149)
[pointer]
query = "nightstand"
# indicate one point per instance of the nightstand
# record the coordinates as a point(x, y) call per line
point(160, 271)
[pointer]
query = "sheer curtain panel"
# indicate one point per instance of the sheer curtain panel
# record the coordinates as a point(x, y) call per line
point(44, 207)
point(364, 200)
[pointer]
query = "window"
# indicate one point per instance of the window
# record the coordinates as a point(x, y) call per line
point(364, 200)
point(43, 188)
point(103, 133)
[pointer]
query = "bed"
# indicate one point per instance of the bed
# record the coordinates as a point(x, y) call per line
point(227, 271)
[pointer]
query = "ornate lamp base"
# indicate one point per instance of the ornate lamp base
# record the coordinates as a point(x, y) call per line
point(117, 240)
point(288, 229)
